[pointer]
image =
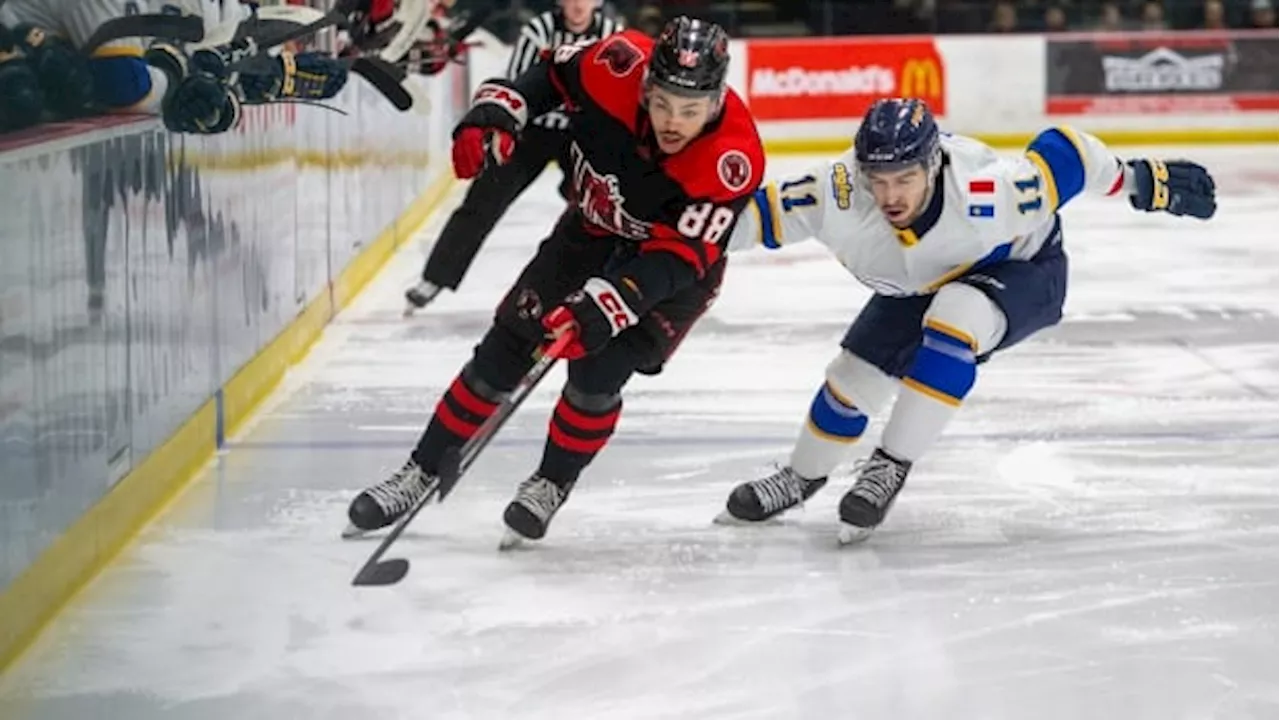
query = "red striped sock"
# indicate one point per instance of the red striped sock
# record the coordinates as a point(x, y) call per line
point(462, 411)
point(574, 437)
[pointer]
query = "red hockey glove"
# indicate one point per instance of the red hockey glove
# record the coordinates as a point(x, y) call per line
point(596, 313)
point(558, 323)
point(498, 113)
point(474, 146)
point(381, 10)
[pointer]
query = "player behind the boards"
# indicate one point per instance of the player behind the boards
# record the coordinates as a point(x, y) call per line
point(665, 156)
point(963, 249)
point(43, 47)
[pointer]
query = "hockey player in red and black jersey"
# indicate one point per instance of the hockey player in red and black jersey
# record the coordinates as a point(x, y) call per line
point(665, 156)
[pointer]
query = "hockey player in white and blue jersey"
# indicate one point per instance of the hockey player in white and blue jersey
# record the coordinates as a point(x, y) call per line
point(115, 78)
point(963, 248)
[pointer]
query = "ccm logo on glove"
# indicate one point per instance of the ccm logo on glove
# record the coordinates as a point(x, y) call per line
point(505, 98)
point(606, 297)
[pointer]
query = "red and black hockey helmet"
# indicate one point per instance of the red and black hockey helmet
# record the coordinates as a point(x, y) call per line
point(690, 57)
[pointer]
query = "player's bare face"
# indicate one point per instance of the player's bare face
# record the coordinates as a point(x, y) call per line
point(577, 13)
point(677, 120)
point(900, 194)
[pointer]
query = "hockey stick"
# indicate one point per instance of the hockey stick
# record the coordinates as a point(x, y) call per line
point(413, 16)
point(260, 46)
point(455, 462)
point(187, 28)
point(270, 21)
point(387, 80)
point(387, 71)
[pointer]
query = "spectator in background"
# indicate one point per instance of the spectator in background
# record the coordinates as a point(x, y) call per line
point(1055, 19)
point(1111, 19)
point(1153, 16)
point(1004, 17)
point(1262, 14)
point(649, 20)
point(912, 17)
point(1215, 16)
point(956, 16)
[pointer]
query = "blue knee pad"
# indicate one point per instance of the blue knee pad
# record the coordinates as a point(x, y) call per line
point(834, 417)
point(945, 366)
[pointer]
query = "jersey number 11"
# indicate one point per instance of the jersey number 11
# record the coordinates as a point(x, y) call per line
point(795, 193)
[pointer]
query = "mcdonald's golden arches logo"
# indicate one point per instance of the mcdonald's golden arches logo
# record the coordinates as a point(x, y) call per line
point(922, 78)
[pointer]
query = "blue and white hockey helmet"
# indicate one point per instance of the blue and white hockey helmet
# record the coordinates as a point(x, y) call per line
point(895, 134)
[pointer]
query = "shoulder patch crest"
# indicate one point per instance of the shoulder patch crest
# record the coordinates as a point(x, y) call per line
point(735, 170)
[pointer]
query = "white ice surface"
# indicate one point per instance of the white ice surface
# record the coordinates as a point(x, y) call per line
point(1096, 537)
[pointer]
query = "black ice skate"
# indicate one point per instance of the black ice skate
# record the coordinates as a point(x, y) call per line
point(419, 296)
point(384, 503)
point(528, 515)
point(760, 500)
point(863, 508)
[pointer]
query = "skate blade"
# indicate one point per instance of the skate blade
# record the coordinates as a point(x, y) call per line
point(352, 532)
point(728, 520)
point(852, 534)
point(511, 540)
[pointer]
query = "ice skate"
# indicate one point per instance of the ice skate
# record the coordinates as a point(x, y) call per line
point(529, 514)
point(384, 503)
point(761, 500)
point(419, 296)
point(864, 507)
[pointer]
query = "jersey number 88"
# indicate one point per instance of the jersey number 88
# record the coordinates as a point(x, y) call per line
point(706, 221)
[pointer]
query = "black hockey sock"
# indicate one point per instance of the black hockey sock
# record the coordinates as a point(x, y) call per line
point(574, 437)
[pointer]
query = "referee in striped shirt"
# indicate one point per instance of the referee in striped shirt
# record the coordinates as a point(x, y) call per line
point(542, 141)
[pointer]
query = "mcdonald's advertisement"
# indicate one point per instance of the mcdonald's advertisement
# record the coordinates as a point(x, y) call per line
point(1154, 74)
point(826, 78)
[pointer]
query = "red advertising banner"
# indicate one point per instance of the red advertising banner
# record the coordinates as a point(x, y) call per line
point(822, 78)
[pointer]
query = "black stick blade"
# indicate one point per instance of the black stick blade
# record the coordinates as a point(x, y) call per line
point(186, 28)
point(383, 78)
point(387, 572)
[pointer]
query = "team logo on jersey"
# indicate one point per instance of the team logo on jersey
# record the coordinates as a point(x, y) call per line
point(600, 200)
point(620, 55)
point(735, 170)
point(841, 185)
point(528, 305)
